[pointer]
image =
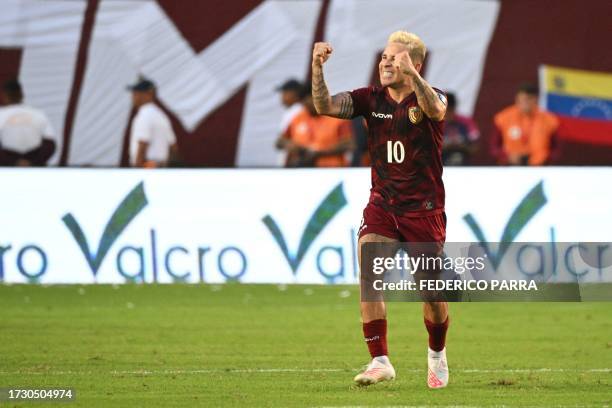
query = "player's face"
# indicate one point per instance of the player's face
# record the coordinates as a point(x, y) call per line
point(389, 74)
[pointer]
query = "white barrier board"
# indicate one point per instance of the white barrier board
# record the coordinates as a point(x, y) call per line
point(281, 226)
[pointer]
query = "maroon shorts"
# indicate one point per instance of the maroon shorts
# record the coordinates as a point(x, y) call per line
point(427, 228)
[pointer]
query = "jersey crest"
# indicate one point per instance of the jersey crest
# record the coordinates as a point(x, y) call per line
point(415, 114)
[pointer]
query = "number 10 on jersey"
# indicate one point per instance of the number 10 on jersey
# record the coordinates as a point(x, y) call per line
point(395, 152)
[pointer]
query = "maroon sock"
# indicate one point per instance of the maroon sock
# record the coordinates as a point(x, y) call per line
point(437, 334)
point(375, 333)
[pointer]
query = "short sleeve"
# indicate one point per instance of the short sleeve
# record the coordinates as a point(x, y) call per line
point(170, 134)
point(2, 116)
point(141, 128)
point(284, 123)
point(361, 101)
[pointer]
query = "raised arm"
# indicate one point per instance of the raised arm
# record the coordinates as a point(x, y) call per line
point(427, 98)
point(339, 105)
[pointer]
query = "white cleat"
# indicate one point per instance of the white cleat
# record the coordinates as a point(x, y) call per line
point(379, 369)
point(437, 369)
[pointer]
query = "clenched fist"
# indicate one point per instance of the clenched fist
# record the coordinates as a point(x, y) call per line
point(403, 63)
point(321, 52)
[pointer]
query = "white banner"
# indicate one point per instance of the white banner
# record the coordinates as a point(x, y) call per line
point(262, 49)
point(282, 226)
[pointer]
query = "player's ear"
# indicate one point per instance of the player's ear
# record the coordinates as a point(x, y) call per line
point(418, 66)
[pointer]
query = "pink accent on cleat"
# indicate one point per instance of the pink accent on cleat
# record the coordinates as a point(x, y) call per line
point(437, 369)
point(374, 373)
point(433, 381)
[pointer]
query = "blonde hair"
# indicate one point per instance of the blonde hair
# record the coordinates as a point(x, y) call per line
point(416, 46)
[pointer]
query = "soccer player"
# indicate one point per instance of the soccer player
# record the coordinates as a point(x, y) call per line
point(405, 122)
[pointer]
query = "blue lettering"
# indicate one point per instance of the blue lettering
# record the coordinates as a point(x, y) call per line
point(138, 276)
point(600, 264)
point(354, 252)
point(331, 277)
point(154, 254)
point(176, 277)
point(201, 252)
point(553, 250)
point(519, 256)
point(569, 263)
point(3, 249)
point(242, 271)
point(43, 262)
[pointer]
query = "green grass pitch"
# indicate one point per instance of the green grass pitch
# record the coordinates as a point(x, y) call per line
point(291, 346)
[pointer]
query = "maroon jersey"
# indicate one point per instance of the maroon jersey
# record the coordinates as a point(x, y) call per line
point(406, 151)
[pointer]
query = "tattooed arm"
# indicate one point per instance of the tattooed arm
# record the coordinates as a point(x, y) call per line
point(428, 99)
point(340, 105)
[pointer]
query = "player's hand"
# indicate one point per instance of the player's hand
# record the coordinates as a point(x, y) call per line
point(321, 52)
point(403, 62)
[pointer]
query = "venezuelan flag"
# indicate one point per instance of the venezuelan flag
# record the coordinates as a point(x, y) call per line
point(582, 100)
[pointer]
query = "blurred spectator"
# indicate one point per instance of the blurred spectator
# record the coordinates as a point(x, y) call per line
point(26, 135)
point(460, 135)
point(152, 140)
point(291, 95)
point(524, 134)
point(315, 140)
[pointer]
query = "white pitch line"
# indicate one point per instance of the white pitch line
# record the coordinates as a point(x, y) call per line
point(446, 406)
point(535, 370)
point(237, 370)
point(306, 370)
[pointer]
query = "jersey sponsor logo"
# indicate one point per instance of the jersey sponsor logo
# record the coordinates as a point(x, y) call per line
point(529, 206)
point(382, 115)
point(327, 209)
point(123, 215)
point(415, 114)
